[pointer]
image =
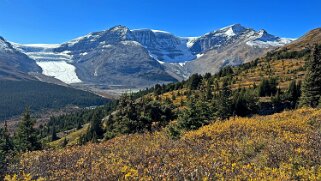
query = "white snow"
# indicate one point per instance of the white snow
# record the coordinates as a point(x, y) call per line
point(147, 29)
point(96, 72)
point(199, 55)
point(77, 40)
point(160, 62)
point(135, 43)
point(107, 46)
point(42, 45)
point(181, 53)
point(262, 39)
point(4, 46)
point(60, 70)
point(57, 65)
point(160, 31)
point(267, 44)
point(287, 40)
point(83, 54)
point(230, 32)
point(182, 64)
point(190, 41)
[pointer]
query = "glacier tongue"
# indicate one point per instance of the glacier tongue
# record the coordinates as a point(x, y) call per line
point(54, 64)
point(60, 70)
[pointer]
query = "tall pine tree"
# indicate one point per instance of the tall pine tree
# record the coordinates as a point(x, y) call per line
point(26, 136)
point(223, 104)
point(311, 89)
point(6, 147)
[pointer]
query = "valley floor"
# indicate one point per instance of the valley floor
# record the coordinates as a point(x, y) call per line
point(284, 146)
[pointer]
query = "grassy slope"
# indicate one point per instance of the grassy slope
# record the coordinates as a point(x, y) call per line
point(283, 146)
point(72, 138)
point(285, 69)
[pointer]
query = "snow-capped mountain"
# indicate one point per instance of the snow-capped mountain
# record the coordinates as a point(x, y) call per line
point(231, 45)
point(111, 57)
point(5, 46)
point(232, 34)
point(141, 57)
point(14, 64)
point(263, 39)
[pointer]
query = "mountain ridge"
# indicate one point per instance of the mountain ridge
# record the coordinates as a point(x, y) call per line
point(162, 56)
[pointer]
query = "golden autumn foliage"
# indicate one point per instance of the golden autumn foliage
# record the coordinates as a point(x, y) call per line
point(285, 70)
point(284, 146)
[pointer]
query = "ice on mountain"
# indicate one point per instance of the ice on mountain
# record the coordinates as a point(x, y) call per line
point(60, 70)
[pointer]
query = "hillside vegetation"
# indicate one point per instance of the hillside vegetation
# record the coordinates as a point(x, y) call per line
point(283, 146)
point(17, 95)
point(205, 128)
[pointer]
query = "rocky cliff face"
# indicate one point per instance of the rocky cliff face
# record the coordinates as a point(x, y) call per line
point(164, 46)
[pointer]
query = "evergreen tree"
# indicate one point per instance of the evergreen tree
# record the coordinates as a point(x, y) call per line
point(8, 143)
point(222, 103)
point(311, 89)
point(79, 126)
point(277, 101)
point(207, 76)
point(95, 128)
point(157, 89)
point(244, 103)
point(64, 143)
point(209, 94)
point(26, 138)
point(294, 93)
point(6, 147)
point(267, 87)
point(54, 136)
point(193, 117)
point(194, 81)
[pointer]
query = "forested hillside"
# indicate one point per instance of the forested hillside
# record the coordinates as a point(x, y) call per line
point(17, 95)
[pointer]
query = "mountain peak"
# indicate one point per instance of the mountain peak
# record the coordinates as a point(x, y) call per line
point(119, 28)
point(151, 31)
point(263, 35)
point(4, 45)
point(263, 32)
point(121, 31)
point(232, 30)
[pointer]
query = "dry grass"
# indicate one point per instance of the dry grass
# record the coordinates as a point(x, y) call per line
point(283, 146)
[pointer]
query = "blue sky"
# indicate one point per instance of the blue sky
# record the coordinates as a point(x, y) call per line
point(56, 21)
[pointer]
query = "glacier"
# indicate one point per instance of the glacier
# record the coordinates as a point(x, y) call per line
point(60, 70)
point(54, 64)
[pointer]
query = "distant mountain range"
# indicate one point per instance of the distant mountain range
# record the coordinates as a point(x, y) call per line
point(120, 57)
